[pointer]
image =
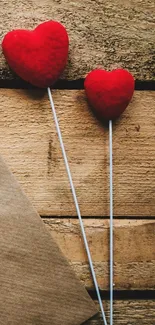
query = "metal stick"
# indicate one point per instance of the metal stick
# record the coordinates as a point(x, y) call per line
point(111, 222)
point(76, 204)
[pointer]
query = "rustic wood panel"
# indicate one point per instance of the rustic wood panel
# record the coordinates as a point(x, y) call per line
point(136, 312)
point(134, 254)
point(118, 33)
point(29, 144)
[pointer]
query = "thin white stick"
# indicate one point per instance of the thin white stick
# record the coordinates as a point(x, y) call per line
point(111, 223)
point(76, 204)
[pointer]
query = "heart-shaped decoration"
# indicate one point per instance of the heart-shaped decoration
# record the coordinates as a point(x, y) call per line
point(37, 56)
point(109, 93)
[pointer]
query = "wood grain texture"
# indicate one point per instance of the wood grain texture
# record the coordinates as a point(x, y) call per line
point(29, 144)
point(102, 33)
point(134, 254)
point(138, 312)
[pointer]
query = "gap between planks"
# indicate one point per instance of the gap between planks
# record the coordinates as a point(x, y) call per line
point(99, 217)
point(124, 294)
point(63, 84)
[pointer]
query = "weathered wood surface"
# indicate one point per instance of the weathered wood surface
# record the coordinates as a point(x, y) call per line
point(136, 312)
point(111, 34)
point(134, 253)
point(30, 146)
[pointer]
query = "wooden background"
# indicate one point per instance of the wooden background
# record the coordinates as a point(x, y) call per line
point(118, 33)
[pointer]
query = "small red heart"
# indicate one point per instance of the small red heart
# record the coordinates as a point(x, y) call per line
point(37, 56)
point(109, 93)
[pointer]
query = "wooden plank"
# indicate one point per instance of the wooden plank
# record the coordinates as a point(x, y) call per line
point(136, 312)
point(134, 254)
point(102, 33)
point(29, 144)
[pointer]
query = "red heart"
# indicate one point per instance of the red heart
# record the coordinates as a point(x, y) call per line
point(37, 56)
point(109, 93)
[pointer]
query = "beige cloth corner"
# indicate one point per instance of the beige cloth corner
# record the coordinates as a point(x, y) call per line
point(37, 285)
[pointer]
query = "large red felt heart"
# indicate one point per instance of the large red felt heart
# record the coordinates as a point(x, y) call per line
point(38, 56)
point(109, 93)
